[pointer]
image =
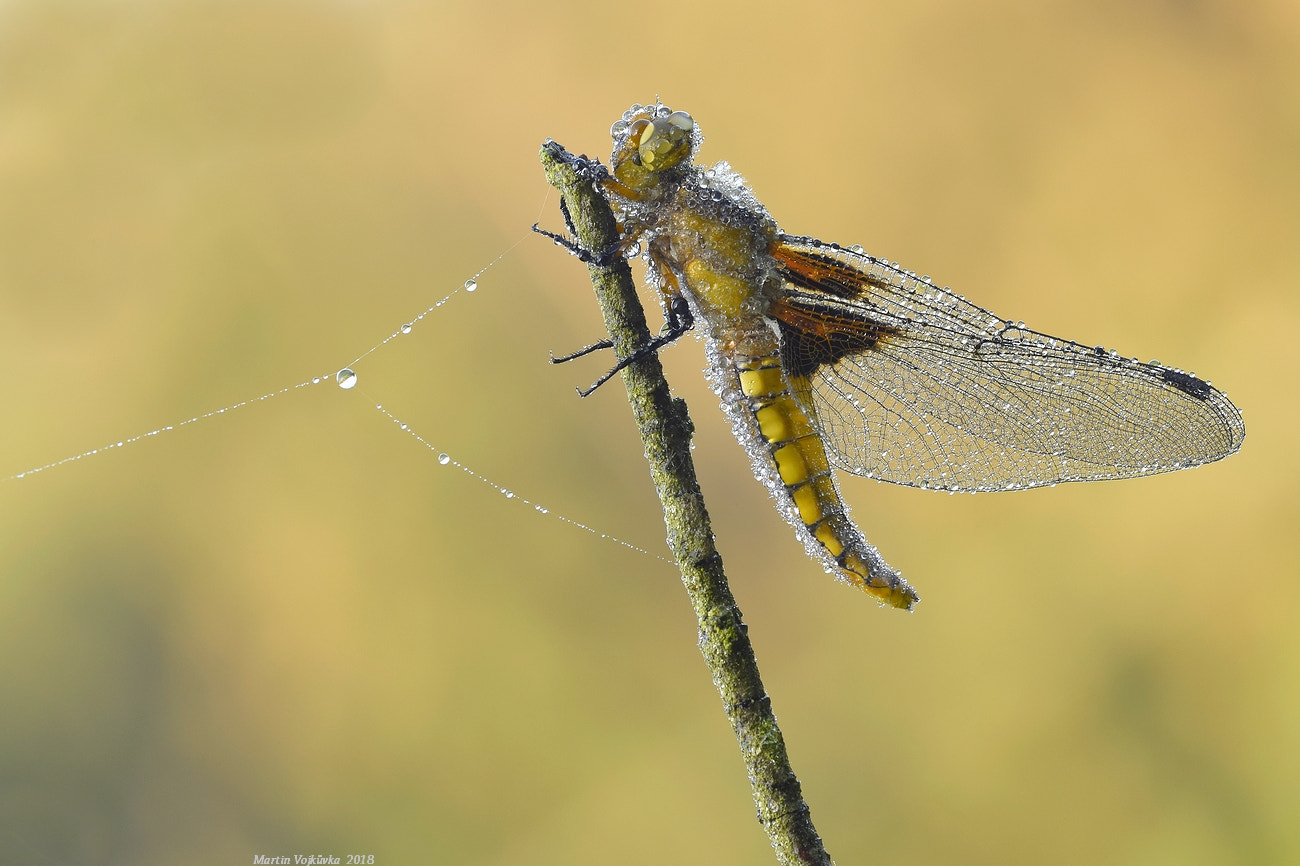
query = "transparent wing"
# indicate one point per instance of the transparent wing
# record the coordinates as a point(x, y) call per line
point(936, 392)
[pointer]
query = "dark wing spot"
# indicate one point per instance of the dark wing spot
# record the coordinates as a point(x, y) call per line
point(802, 352)
point(1197, 388)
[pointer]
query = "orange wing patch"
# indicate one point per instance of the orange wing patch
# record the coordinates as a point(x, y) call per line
point(822, 316)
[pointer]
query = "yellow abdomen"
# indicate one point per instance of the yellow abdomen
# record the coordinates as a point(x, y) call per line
point(798, 456)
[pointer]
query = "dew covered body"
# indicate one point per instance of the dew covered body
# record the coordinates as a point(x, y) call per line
point(825, 357)
point(708, 241)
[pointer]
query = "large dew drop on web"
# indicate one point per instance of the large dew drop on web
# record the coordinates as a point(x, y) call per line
point(346, 378)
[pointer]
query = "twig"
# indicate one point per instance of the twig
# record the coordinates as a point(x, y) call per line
point(666, 433)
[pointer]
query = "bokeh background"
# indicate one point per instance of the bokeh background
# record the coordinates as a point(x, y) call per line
point(289, 630)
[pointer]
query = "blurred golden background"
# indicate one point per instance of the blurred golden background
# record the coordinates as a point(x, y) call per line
point(289, 630)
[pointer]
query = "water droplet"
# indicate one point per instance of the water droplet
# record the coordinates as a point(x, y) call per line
point(346, 378)
point(406, 329)
point(444, 459)
point(315, 380)
point(634, 250)
point(471, 284)
point(856, 248)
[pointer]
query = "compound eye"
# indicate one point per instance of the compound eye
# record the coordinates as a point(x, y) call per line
point(666, 141)
point(637, 130)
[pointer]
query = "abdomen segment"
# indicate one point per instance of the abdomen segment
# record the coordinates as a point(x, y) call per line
point(790, 459)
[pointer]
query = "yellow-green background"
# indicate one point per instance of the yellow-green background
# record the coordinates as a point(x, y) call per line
point(290, 631)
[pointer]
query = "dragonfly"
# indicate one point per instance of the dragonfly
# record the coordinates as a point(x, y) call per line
point(827, 358)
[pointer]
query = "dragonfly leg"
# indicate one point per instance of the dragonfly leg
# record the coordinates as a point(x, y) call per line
point(604, 258)
point(679, 321)
point(594, 347)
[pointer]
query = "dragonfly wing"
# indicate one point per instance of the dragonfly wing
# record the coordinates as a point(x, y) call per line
point(912, 384)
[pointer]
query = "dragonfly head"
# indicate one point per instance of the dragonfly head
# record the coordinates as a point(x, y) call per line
point(650, 142)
